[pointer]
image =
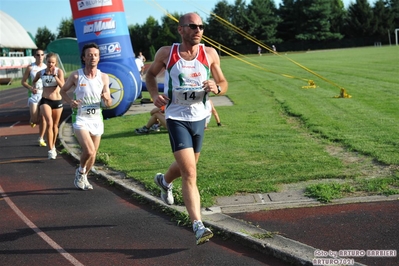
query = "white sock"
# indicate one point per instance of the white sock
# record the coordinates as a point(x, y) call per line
point(82, 170)
point(166, 184)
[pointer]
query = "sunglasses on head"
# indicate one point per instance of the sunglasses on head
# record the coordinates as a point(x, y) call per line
point(194, 26)
point(39, 54)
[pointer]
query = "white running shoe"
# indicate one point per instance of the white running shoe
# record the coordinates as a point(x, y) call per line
point(80, 180)
point(52, 154)
point(86, 182)
point(202, 233)
point(166, 193)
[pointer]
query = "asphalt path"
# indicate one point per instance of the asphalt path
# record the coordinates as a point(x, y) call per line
point(45, 220)
point(364, 227)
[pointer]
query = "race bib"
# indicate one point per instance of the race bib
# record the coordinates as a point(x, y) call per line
point(90, 111)
point(188, 95)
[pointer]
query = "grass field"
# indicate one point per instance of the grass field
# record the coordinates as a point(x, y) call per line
point(279, 133)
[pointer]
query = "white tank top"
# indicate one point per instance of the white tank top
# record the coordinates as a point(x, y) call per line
point(183, 85)
point(88, 92)
point(35, 68)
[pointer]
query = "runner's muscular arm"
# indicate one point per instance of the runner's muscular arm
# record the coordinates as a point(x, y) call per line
point(216, 71)
point(37, 77)
point(70, 83)
point(106, 93)
point(156, 67)
point(25, 77)
point(59, 77)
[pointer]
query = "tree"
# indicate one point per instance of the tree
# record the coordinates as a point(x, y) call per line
point(262, 21)
point(137, 42)
point(288, 16)
point(66, 29)
point(167, 34)
point(238, 18)
point(44, 37)
point(315, 23)
point(338, 16)
point(382, 19)
point(217, 27)
point(143, 37)
point(359, 20)
point(294, 22)
point(168, 31)
point(393, 6)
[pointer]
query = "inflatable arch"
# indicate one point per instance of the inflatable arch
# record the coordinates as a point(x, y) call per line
point(104, 23)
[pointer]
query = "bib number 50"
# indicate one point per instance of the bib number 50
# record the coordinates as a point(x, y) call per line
point(90, 111)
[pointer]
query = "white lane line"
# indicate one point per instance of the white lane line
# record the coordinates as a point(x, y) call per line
point(16, 123)
point(45, 237)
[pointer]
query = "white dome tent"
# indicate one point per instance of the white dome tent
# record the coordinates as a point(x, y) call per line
point(16, 47)
point(13, 35)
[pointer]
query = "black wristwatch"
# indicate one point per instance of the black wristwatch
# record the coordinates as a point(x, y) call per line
point(219, 89)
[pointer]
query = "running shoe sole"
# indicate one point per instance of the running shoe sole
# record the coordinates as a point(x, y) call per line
point(205, 237)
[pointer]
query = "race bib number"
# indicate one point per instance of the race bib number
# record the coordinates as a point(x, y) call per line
point(188, 95)
point(91, 111)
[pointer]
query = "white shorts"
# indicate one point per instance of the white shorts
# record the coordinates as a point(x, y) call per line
point(95, 128)
point(35, 98)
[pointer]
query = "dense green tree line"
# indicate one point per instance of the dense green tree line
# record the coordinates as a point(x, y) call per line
point(293, 25)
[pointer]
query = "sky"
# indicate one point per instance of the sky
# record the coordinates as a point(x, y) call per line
point(34, 14)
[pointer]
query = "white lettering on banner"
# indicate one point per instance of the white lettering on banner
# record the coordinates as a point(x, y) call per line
point(98, 26)
point(110, 48)
point(87, 4)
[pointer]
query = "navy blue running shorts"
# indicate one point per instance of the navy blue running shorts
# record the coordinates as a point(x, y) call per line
point(185, 134)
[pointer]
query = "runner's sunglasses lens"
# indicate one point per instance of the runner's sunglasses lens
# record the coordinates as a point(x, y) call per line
point(194, 26)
